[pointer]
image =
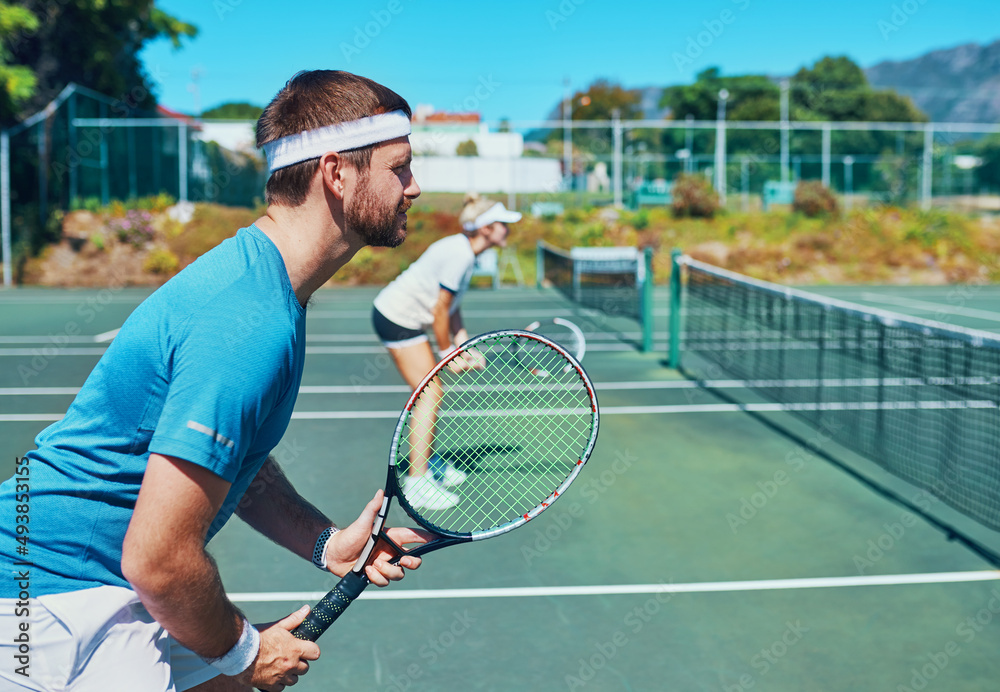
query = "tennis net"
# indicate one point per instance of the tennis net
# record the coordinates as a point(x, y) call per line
point(610, 280)
point(919, 398)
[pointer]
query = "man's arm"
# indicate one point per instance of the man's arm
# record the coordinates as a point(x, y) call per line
point(458, 328)
point(442, 320)
point(164, 559)
point(274, 508)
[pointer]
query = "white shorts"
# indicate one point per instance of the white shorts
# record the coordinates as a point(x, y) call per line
point(92, 641)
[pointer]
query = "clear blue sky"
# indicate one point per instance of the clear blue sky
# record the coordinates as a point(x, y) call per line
point(509, 60)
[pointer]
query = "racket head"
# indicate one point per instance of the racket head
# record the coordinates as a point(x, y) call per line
point(563, 332)
point(520, 440)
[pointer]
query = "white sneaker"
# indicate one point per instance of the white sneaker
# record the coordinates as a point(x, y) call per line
point(451, 476)
point(423, 492)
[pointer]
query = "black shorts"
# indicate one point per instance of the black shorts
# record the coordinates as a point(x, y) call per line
point(393, 335)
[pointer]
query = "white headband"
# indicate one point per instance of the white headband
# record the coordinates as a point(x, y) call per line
point(498, 212)
point(312, 144)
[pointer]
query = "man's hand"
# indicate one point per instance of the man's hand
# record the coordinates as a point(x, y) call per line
point(346, 545)
point(282, 657)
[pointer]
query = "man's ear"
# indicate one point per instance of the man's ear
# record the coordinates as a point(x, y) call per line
point(332, 168)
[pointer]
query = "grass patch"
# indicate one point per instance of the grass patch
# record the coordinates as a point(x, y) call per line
point(871, 245)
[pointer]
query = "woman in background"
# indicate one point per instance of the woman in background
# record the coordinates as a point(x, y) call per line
point(428, 294)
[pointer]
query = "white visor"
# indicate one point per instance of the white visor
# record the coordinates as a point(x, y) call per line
point(353, 134)
point(498, 212)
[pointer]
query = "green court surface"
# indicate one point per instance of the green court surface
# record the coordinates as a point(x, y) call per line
point(698, 550)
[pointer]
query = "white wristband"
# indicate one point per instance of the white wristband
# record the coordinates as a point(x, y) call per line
point(319, 551)
point(448, 351)
point(242, 655)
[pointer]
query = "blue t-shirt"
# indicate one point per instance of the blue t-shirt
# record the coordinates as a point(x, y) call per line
point(206, 369)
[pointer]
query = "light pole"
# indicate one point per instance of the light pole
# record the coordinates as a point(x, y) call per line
point(689, 145)
point(567, 141)
point(848, 180)
point(720, 147)
point(784, 130)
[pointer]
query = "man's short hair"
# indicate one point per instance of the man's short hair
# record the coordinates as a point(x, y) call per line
point(314, 99)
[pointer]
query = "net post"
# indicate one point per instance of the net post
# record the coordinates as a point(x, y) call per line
point(675, 308)
point(539, 265)
point(5, 206)
point(647, 300)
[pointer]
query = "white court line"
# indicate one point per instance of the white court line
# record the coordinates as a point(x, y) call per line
point(633, 410)
point(396, 388)
point(633, 589)
point(30, 417)
point(932, 307)
point(104, 337)
point(52, 340)
point(51, 351)
point(606, 386)
point(523, 314)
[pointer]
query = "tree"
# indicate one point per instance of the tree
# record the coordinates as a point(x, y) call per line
point(467, 148)
point(599, 102)
point(18, 81)
point(753, 97)
point(833, 89)
point(93, 43)
point(234, 111)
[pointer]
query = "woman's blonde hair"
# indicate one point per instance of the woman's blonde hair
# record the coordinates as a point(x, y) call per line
point(473, 206)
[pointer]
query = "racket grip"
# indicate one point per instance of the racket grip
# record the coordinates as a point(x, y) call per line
point(326, 612)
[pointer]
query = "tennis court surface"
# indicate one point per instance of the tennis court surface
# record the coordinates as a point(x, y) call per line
point(706, 546)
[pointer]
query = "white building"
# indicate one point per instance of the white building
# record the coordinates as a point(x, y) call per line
point(499, 166)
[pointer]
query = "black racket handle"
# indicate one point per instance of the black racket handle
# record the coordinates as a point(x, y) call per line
point(326, 612)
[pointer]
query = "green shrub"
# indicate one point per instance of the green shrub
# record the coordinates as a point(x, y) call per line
point(640, 220)
point(467, 148)
point(813, 199)
point(154, 203)
point(135, 227)
point(694, 197)
point(161, 261)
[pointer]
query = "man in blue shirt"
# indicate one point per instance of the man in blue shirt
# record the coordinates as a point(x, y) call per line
point(179, 416)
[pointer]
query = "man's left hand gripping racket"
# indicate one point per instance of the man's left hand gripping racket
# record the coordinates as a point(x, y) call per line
point(517, 441)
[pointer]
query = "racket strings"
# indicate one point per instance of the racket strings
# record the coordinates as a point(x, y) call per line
point(526, 437)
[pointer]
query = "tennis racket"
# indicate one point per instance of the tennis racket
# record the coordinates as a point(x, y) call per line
point(519, 441)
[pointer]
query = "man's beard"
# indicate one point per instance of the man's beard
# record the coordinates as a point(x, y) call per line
point(376, 222)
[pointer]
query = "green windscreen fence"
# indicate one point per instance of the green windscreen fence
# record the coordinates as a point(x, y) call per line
point(85, 150)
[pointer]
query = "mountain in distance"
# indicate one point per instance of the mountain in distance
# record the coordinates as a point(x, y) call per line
point(960, 84)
